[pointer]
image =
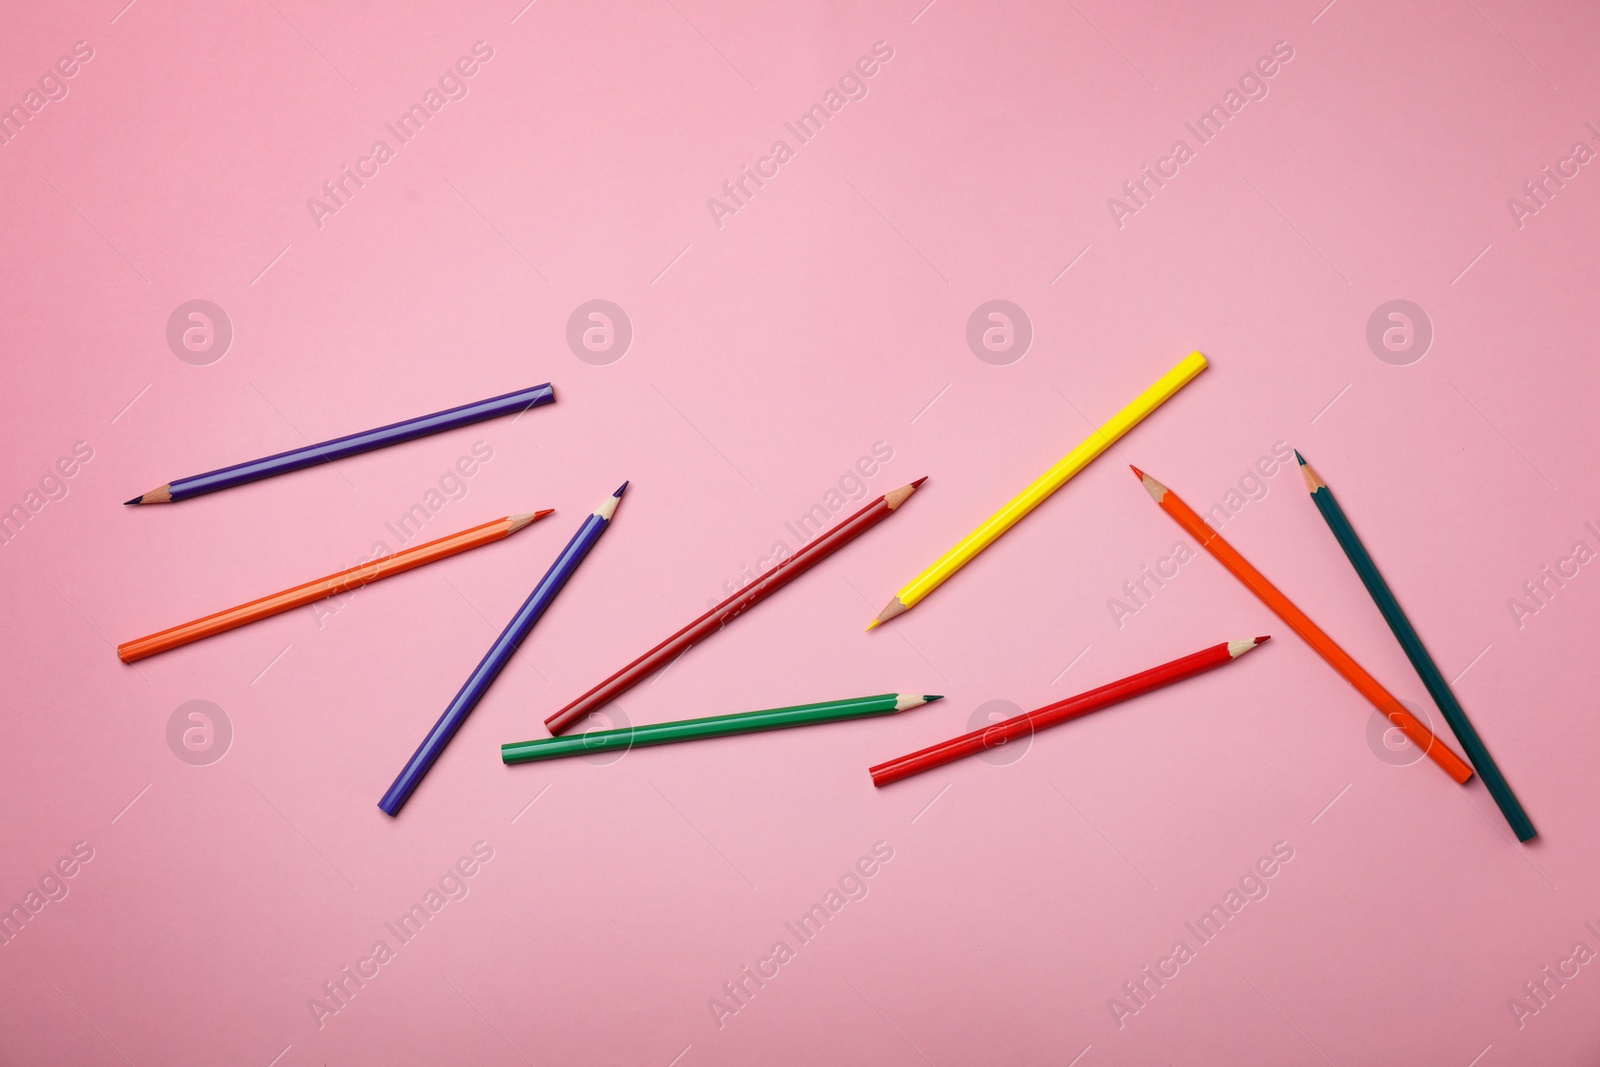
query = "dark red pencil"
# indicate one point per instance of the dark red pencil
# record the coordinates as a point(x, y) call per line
point(725, 612)
point(1062, 710)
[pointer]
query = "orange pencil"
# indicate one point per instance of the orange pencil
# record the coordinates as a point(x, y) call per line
point(1313, 635)
point(343, 582)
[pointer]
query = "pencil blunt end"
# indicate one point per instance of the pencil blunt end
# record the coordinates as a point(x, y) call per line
point(893, 608)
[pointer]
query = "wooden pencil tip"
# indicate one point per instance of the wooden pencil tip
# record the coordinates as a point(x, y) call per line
point(1137, 473)
point(890, 610)
point(1299, 457)
point(895, 497)
point(1156, 490)
point(929, 698)
point(623, 488)
point(519, 521)
point(161, 494)
point(1239, 648)
point(1309, 473)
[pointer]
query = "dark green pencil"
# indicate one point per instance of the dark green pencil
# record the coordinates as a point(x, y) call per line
point(662, 733)
point(1406, 634)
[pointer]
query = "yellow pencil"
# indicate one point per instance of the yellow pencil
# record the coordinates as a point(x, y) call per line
point(1043, 486)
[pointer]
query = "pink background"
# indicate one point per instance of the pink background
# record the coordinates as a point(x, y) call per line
point(769, 355)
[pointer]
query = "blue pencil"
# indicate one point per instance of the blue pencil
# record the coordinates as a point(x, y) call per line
point(504, 646)
point(349, 445)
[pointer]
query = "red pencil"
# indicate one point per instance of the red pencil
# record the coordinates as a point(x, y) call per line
point(1062, 710)
point(725, 612)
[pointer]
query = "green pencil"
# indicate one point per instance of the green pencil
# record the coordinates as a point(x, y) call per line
point(662, 733)
point(1406, 634)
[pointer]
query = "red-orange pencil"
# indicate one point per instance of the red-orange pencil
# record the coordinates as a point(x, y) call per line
point(1033, 721)
point(343, 582)
point(1313, 635)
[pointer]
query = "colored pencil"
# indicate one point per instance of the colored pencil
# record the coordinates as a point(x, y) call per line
point(500, 653)
point(333, 585)
point(1313, 635)
point(662, 733)
point(1042, 486)
point(1416, 652)
point(724, 613)
point(349, 445)
point(1030, 722)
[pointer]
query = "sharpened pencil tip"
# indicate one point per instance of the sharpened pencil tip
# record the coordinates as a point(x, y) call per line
point(929, 698)
point(1299, 457)
point(1263, 639)
point(895, 607)
point(1243, 645)
point(918, 483)
point(623, 488)
point(161, 494)
point(526, 517)
point(1156, 490)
